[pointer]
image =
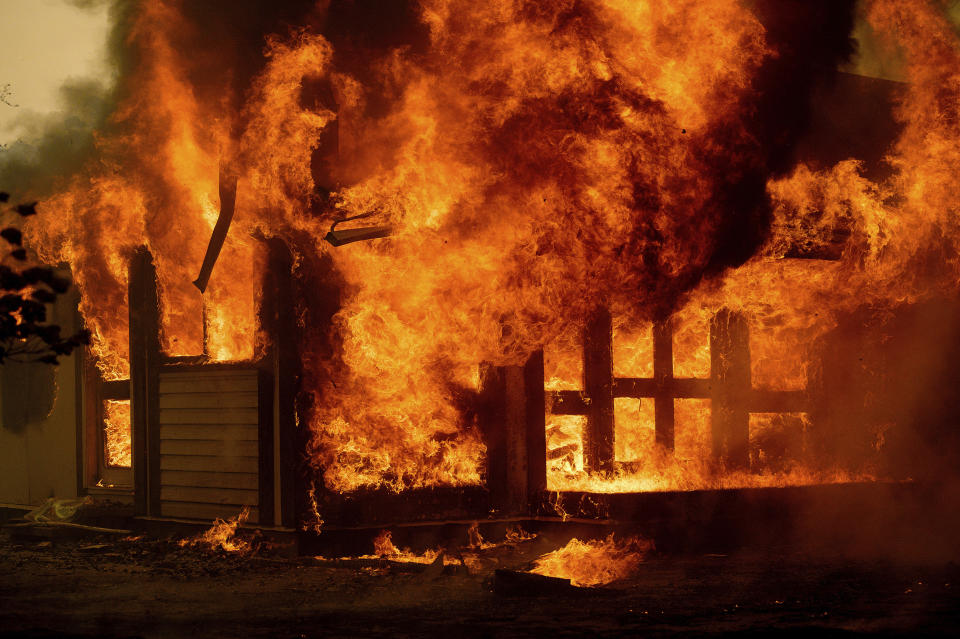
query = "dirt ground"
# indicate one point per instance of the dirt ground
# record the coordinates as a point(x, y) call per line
point(105, 587)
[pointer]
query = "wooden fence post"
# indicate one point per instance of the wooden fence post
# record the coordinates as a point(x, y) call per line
point(143, 302)
point(663, 375)
point(731, 388)
point(598, 449)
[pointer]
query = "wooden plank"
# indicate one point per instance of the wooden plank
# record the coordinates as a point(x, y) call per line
point(536, 426)
point(598, 385)
point(204, 512)
point(678, 387)
point(568, 402)
point(265, 452)
point(730, 371)
point(170, 416)
point(208, 479)
point(209, 400)
point(185, 384)
point(209, 462)
point(219, 448)
point(231, 432)
point(143, 302)
point(213, 370)
point(663, 412)
point(209, 495)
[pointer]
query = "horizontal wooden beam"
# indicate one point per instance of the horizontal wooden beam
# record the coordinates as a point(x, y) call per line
point(678, 387)
point(574, 402)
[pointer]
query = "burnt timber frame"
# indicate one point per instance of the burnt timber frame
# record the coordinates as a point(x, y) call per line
point(144, 303)
point(729, 389)
point(513, 421)
point(276, 386)
point(279, 380)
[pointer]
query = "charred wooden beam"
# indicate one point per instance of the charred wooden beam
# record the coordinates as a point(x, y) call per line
point(512, 417)
point(228, 200)
point(598, 385)
point(278, 383)
point(144, 307)
point(536, 426)
point(663, 413)
point(677, 387)
point(730, 373)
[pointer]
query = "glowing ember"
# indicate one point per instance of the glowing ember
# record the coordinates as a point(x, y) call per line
point(594, 563)
point(116, 431)
point(222, 535)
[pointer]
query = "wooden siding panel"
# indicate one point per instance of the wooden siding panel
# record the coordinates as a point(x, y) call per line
point(209, 400)
point(218, 447)
point(208, 416)
point(209, 479)
point(209, 495)
point(210, 463)
point(240, 432)
point(184, 510)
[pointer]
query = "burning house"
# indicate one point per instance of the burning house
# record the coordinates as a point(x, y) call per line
point(462, 261)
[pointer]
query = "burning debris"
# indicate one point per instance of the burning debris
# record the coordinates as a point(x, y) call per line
point(595, 563)
point(222, 536)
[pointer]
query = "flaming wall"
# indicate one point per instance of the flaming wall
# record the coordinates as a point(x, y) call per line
point(535, 160)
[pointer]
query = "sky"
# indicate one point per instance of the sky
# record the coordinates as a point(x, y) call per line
point(44, 43)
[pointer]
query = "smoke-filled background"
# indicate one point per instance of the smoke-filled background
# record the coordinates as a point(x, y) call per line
point(535, 159)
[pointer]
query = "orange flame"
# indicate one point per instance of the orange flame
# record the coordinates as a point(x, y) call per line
point(578, 155)
point(116, 429)
point(222, 535)
point(594, 563)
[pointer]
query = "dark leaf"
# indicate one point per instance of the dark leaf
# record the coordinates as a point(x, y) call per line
point(4, 196)
point(19, 254)
point(49, 359)
point(12, 235)
point(27, 210)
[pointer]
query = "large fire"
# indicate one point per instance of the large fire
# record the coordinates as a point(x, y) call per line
point(534, 160)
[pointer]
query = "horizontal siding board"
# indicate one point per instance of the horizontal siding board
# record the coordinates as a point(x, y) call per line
point(209, 495)
point(203, 512)
point(209, 479)
point(209, 463)
point(242, 432)
point(209, 400)
point(208, 416)
point(220, 447)
point(171, 384)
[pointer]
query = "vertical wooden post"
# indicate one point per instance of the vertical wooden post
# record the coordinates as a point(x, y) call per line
point(663, 376)
point(513, 420)
point(536, 423)
point(144, 306)
point(598, 446)
point(279, 378)
point(730, 382)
